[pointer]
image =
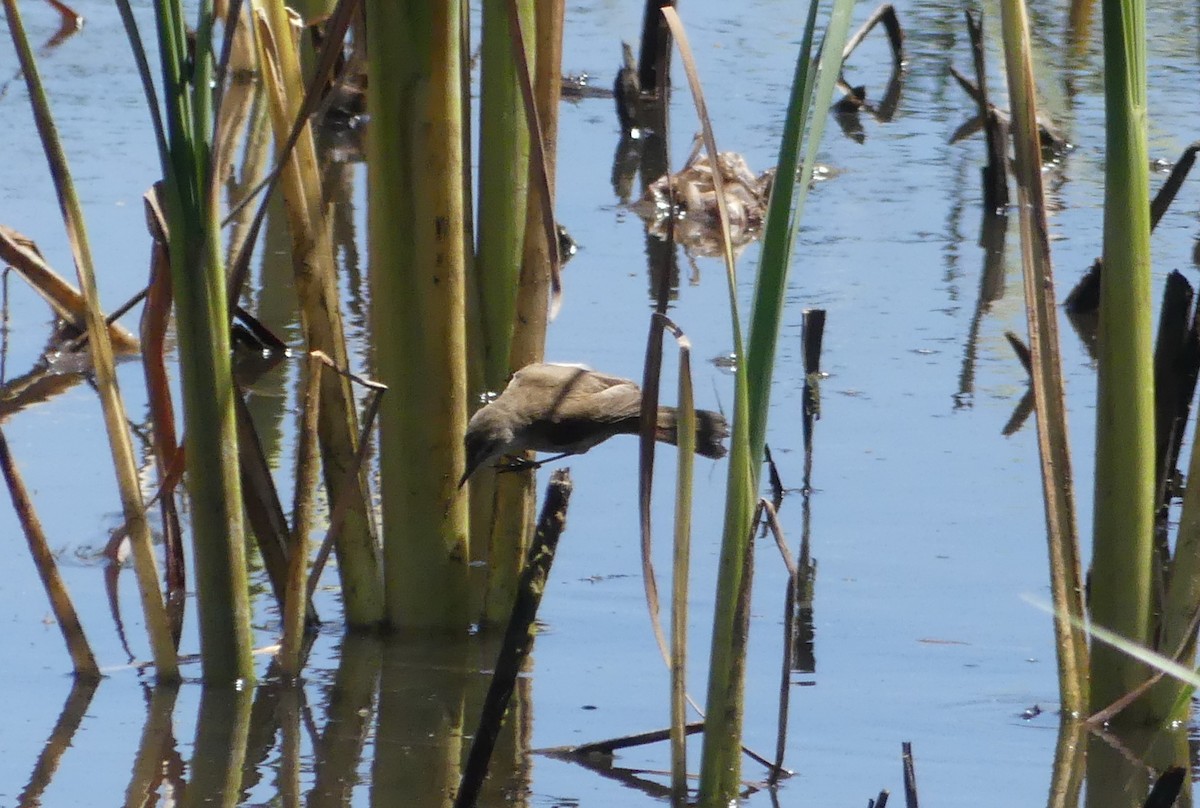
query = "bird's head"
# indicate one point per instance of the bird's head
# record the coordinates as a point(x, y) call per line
point(489, 435)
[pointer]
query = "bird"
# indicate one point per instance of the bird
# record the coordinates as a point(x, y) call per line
point(568, 409)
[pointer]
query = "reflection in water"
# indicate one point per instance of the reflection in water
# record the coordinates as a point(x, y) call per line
point(1066, 780)
point(43, 382)
point(334, 715)
point(69, 24)
point(157, 766)
point(222, 733)
point(403, 702)
point(598, 756)
point(290, 791)
point(634, 779)
point(1121, 766)
point(420, 728)
point(350, 705)
point(662, 261)
point(846, 112)
point(803, 640)
point(626, 160)
point(400, 702)
point(804, 657)
point(338, 183)
point(992, 233)
point(267, 713)
point(58, 743)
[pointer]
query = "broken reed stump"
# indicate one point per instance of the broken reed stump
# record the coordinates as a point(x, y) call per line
point(1166, 194)
point(885, 14)
point(654, 60)
point(846, 111)
point(812, 333)
point(639, 81)
point(1166, 788)
point(627, 92)
point(1176, 367)
point(518, 637)
point(1085, 297)
point(910, 775)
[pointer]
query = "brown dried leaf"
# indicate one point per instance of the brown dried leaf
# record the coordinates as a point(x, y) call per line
point(23, 255)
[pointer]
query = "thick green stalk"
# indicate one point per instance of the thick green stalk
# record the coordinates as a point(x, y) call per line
point(320, 317)
point(720, 767)
point(1124, 493)
point(415, 161)
point(202, 326)
point(502, 512)
point(115, 420)
point(503, 184)
point(507, 519)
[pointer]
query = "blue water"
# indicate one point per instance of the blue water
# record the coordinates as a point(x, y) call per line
point(927, 523)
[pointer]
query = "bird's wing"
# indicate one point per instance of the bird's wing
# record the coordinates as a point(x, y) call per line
point(545, 375)
point(601, 398)
point(536, 390)
point(570, 392)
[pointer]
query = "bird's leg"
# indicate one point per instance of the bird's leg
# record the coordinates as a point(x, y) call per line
point(521, 464)
point(514, 463)
point(537, 464)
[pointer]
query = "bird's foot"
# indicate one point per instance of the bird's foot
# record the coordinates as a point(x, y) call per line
point(516, 464)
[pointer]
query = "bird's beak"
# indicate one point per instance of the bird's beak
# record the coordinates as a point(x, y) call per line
point(471, 466)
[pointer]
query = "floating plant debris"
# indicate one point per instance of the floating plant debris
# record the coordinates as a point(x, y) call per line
point(689, 198)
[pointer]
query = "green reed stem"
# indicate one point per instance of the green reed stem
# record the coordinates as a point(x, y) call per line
point(202, 325)
point(1066, 578)
point(418, 280)
point(115, 421)
point(1124, 493)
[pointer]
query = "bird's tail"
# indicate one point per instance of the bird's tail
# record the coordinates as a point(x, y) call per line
point(711, 430)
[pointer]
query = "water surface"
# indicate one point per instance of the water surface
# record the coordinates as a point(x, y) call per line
point(927, 522)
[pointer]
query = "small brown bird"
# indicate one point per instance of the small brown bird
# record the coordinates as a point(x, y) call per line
point(568, 409)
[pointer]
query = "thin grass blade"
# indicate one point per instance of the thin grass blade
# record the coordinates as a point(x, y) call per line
point(1066, 576)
